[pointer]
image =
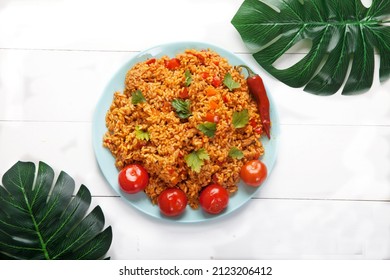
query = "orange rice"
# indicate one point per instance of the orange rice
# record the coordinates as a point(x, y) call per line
point(171, 138)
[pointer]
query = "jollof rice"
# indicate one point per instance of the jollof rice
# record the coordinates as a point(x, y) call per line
point(170, 138)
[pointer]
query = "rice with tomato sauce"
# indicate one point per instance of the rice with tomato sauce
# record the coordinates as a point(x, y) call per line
point(152, 133)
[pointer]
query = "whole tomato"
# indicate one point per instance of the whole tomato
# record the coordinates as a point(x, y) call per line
point(133, 178)
point(172, 202)
point(253, 173)
point(214, 199)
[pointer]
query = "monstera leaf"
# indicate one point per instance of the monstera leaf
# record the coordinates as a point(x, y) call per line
point(42, 221)
point(341, 32)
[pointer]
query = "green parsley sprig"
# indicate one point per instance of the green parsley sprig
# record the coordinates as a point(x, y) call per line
point(182, 107)
point(137, 97)
point(188, 76)
point(236, 153)
point(240, 119)
point(141, 134)
point(195, 160)
point(208, 128)
point(230, 83)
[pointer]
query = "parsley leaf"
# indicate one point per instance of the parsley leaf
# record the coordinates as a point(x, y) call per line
point(137, 97)
point(208, 128)
point(240, 119)
point(188, 77)
point(230, 83)
point(234, 152)
point(182, 108)
point(202, 154)
point(141, 134)
point(195, 160)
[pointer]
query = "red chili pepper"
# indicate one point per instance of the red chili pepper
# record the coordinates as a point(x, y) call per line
point(257, 89)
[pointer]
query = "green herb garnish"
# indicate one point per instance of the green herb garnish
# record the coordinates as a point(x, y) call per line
point(141, 134)
point(137, 97)
point(188, 78)
point(230, 83)
point(195, 160)
point(182, 108)
point(236, 153)
point(240, 119)
point(208, 128)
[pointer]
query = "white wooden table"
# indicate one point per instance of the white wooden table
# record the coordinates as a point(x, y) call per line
point(328, 196)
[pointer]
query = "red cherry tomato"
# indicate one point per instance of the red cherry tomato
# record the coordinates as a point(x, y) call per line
point(172, 64)
point(253, 173)
point(133, 178)
point(214, 198)
point(172, 202)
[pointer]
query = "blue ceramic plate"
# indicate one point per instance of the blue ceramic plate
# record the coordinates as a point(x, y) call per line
point(106, 160)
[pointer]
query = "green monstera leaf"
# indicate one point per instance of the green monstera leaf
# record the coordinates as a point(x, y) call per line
point(42, 220)
point(341, 32)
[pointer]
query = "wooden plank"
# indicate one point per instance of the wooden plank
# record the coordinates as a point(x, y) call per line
point(268, 229)
point(66, 85)
point(314, 162)
point(116, 25)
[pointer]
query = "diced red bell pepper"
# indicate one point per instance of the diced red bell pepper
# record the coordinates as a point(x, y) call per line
point(205, 75)
point(151, 61)
point(216, 82)
point(210, 117)
point(184, 93)
point(172, 64)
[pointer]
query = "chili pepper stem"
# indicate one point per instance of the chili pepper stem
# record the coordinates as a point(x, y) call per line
point(247, 68)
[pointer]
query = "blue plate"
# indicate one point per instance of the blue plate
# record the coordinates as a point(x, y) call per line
point(107, 162)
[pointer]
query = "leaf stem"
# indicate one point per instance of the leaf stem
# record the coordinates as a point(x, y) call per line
point(29, 208)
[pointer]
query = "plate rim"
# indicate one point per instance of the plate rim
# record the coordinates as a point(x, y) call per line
point(98, 148)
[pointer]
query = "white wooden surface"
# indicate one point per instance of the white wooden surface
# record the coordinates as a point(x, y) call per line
point(328, 196)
